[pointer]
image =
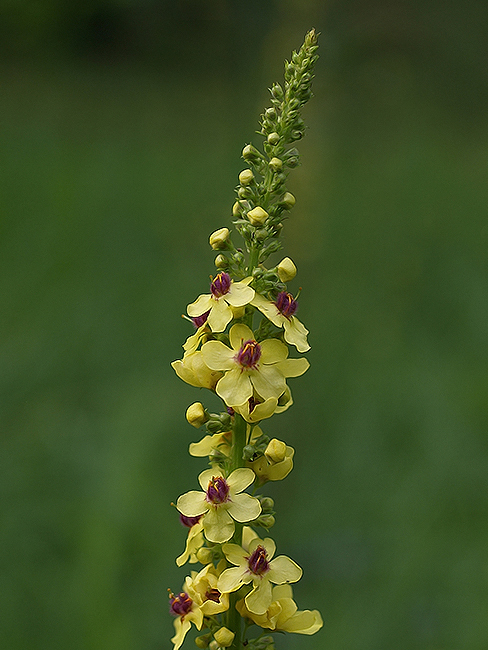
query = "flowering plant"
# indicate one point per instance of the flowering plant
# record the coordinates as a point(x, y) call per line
point(240, 351)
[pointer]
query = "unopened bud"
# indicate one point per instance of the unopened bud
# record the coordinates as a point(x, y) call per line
point(266, 520)
point(195, 414)
point(257, 216)
point(221, 262)
point(244, 192)
point(273, 138)
point(275, 451)
point(204, 555)
point(267, 504)
point(203, 641)
point(224, 637)
point(286, 270)
point(289, 200)
point(271, 113)
point(276, 164)
point(213, 645)
point(218, 239)
point(246, 177)
point(236, 209)
point(250, 153)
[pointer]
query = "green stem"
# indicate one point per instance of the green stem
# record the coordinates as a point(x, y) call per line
point(238, 444)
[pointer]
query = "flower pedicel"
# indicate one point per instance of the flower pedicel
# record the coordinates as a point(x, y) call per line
point(239, 350)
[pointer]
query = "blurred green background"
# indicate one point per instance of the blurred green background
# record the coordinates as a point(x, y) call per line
point(122, 124)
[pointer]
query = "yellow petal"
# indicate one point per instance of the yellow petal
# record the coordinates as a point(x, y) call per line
point(234, 387)
point(269, 309)
point(181, 629)
point(220, 315)
point(283, 569)
point(238, 333)
point(296, 334)
point(293, 367)
point(303, 622)
point(260, 412)
point(259, 599)
point(218, 356)
point(235, 554)
point(192, 504)
point(244, 507)
point(202, 304)
point(231, 579)
point(273, 351)
point(240, 479)
point(239, 294)
point(218, 525)
point(268, 381)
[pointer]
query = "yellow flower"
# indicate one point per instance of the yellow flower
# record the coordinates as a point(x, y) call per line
point(208, 445)
point(281, 313)
point(187, 612)
point(256, 565)
point(194, 543)
point(195, 372)
point(283, 614)
point(225, 294)
point(286, 269)
point(196, 415)
point(276, 463)
point(250, 366)
point(221, 502)
point(203, 590)
point(254, 410)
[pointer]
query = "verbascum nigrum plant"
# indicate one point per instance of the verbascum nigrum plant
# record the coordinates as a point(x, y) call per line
point(243, 331)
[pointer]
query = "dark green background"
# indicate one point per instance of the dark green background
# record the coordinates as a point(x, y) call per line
point(121, 128)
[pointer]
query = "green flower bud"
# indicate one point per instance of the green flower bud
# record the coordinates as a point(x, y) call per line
point(244, 193)
point(286, 270)
point(238, 258)
point(267, 521)
point(276, 164)
point(250, 153)
point(257, 216)
point(289, 200)
point(205, 555)
point(224, 637)
point(267, 504)
point(221, 262)
point(273, 138)
point(196, 415)
point(203, 641)
point(236, 209)
point(213, 645)
point(270, 113)
point(218, 239)
point(246, 177)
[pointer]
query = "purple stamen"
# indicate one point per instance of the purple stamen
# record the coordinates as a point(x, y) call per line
point(286, 304)
point(180, 605)
point(217, 490)
point(198, 321)
point(189, 521)
point(220, 285)
point(213, 594)
point(249, 354)
point(257, 562)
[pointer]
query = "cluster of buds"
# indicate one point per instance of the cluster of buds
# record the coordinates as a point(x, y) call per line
point(244, 328)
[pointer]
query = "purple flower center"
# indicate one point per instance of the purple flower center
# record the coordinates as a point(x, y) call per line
point(213, 594)
point(220, 285)
point(217, 490)
point(198, 321)
point(180, 605)
point(189, 521)
point(286, 304)
point(257, 562)
point(249, 354)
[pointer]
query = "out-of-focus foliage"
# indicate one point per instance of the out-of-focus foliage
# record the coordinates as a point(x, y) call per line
point(122, 125)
